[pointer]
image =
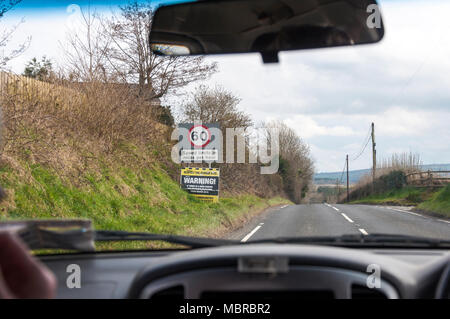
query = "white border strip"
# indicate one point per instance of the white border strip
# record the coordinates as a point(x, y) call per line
point(251, 233)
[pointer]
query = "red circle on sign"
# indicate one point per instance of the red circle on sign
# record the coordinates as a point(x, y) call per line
point(207, 140)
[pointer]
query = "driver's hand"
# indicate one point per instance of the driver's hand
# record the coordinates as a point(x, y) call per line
point(22, 275)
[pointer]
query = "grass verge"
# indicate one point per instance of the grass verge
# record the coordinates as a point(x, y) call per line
point(406, 196)
point(435, 202)
point(125, 199)
point(439, 202)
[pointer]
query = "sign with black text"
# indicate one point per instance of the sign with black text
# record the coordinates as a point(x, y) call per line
point(201, 182)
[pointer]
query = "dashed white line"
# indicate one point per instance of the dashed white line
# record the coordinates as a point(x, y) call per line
point(363, 231)
point(331, 206)
point(252, 233)
point(347, 218)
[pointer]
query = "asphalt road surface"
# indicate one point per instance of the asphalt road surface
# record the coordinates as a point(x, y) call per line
point(338, 219)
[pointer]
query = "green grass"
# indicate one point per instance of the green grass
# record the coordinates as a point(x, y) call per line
point(404, 196)
point(439, 202)
point(147, 200)
point(435, 201)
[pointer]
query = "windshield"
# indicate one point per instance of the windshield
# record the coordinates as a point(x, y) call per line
point(327, 142)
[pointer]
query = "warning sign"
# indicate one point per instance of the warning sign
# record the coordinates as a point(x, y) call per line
point(203, 183)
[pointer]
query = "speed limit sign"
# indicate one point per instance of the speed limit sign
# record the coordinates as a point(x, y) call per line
point(199, 142)
point(199, 136)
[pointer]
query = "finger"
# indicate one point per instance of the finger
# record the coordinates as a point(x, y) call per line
point(25, 276)
point(4, 290)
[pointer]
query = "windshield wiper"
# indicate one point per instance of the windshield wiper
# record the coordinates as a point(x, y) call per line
point(359, 240)
point(79, 235)
point(53, 234)
point(193, 242)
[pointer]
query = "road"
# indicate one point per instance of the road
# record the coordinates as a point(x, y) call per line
point(339, 219)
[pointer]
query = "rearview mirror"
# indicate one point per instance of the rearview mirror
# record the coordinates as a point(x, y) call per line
point(265, 26)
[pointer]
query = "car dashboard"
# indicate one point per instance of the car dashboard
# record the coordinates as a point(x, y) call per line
point(268, 271)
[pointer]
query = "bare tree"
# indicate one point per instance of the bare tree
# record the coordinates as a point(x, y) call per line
point(6, 5)
point(6, 35)
point(215, 105)
point(131, 57)
point(296, 165)
point(86, 49)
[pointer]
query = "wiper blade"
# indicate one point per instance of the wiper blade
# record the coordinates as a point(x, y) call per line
point(372, 240)
point(193, 242)
point(79, 235)
point(53, 234)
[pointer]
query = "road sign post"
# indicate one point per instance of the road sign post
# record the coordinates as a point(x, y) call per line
point(200, 143)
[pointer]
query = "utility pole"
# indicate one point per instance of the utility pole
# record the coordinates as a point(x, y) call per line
point(348, 192)
point(374, 157)
point(337, 191)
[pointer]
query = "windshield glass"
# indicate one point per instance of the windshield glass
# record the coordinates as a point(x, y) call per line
point(327, 142)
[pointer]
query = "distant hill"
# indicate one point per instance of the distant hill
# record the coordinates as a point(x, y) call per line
point(354, 176)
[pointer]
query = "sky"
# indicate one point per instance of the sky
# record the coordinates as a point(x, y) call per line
point(329, 97)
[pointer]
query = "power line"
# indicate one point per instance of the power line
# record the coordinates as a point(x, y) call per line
point(343, 171)
point(360, 153)
point(367, 139)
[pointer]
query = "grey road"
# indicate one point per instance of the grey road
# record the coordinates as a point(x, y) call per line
point(335, 220)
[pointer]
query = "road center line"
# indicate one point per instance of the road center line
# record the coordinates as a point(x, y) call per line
point(331, 206)
point(363, 231)
point(251, 233)
point(347, 218)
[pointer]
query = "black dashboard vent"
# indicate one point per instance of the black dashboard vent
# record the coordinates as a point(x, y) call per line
point(172, 293)
point(363, 292)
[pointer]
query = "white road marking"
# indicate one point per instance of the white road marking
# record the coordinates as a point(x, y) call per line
point(415, 214)
point(404, 211)
point(284, 206)
point(252, 233)
point(331, 206)
point(363, 231)
point(347, 218)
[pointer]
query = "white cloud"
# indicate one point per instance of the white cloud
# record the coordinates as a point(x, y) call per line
point(307, 127)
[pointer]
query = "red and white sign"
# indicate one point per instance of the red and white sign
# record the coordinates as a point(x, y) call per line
point(199, 136)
